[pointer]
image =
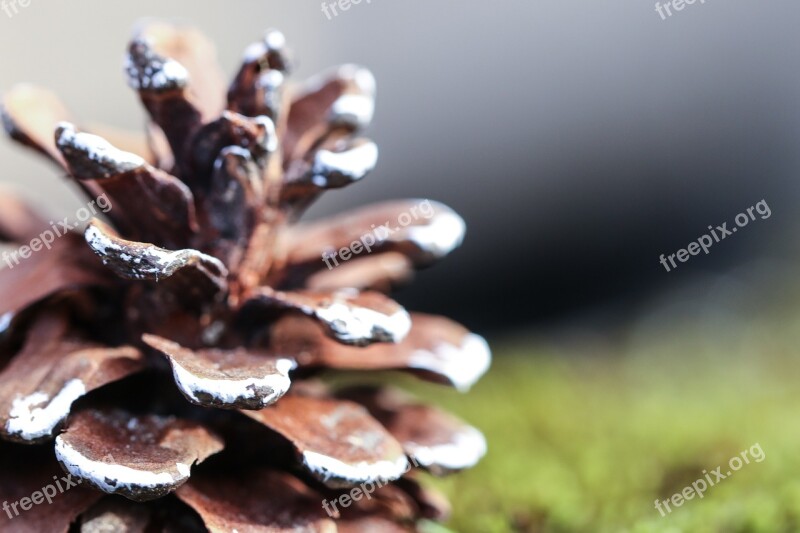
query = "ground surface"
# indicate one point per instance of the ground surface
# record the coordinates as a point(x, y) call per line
point(587, 441)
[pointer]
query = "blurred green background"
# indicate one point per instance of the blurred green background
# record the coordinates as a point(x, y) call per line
point(585, 436)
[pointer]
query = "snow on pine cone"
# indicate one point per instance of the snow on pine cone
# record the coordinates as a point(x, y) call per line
point(192, 324)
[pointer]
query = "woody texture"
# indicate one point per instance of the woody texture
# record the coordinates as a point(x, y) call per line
point(171, 362)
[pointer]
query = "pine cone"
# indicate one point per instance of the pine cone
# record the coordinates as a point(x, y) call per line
point(203, 286)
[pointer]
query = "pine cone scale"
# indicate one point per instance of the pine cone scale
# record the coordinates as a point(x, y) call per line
point(338, 442)
point(226, 379)
point(139, 457)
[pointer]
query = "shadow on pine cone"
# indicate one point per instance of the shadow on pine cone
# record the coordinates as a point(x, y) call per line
point(207, 284)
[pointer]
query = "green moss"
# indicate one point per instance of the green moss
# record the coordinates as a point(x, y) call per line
point(588, 442)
